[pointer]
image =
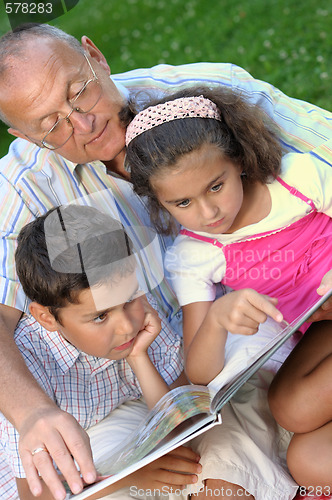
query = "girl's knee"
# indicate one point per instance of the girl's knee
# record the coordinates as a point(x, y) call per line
point(309, 459)
point(281, 404)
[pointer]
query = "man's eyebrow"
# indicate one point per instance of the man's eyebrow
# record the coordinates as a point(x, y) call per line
point(41, 119)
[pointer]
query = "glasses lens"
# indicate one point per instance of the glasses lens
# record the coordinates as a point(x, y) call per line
point(88, 97)
point(59, 134)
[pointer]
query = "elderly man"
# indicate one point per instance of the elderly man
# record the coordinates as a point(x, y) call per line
point(58, 99)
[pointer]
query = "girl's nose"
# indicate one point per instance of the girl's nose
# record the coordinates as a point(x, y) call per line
point(209, 210)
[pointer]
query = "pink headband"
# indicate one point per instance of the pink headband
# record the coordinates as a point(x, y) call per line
point(184, 107)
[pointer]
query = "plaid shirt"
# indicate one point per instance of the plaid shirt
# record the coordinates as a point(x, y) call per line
point(85, 386)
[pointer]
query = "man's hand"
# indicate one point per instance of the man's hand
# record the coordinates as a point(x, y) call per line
point(174, 470)
point(65, 440)
point(325, 311)
point(242, 311)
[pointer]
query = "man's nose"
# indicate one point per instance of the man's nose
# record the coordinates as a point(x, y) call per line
point(82, 123)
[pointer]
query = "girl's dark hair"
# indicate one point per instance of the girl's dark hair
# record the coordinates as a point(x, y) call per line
point(242, 136)
point(53, 273)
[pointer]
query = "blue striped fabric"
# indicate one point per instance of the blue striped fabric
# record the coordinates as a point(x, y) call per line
point(32, 180)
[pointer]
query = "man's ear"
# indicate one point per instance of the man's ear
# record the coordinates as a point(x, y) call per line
point(95, 53)
point(43, 316)
point(17, 133)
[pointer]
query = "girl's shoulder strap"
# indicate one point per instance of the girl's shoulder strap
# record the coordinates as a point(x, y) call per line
point(199, 237)
point(293, 191)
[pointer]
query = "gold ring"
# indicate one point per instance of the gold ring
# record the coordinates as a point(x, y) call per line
point(37, 450)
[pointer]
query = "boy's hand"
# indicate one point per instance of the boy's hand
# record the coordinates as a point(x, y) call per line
point(242, 311)
point(325, 311)
point(150, 330)
point(174, 470)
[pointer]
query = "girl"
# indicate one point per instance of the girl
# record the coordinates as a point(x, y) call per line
point(255, 222)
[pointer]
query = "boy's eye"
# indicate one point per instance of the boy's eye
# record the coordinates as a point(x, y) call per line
point(100, 318)
point(183, 204)
point(217, 187)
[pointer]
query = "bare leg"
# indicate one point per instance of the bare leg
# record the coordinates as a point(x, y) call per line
point(216, 488)
point(300, 398)
point(309, 459)
point(300, 395)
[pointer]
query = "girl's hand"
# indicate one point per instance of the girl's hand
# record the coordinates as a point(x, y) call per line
point(174, 470)
point(242, 311)
point(150, 330)
point(325, 311)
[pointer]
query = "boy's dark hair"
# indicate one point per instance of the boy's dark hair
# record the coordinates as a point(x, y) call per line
point(66, 250)
point(242, 135)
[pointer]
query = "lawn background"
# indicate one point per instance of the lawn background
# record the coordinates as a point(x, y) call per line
point(287, 43)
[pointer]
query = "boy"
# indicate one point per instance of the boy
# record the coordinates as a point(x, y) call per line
point(87, 337)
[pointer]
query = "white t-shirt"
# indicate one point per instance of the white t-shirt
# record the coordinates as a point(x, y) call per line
point(196, 266)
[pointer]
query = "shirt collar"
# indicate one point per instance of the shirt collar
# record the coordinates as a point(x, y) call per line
point(66, 355)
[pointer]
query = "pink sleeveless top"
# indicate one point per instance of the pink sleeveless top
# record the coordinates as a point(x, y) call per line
point(288, 263)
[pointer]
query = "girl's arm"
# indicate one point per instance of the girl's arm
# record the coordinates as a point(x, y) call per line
point(204, 342)
point(238, 312)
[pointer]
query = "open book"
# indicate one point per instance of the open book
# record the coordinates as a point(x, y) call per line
point(187, 411)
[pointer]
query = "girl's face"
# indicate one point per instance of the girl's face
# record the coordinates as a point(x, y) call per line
point(203, 191)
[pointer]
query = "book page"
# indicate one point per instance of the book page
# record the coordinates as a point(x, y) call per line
point(259, 348)
point(175, 407)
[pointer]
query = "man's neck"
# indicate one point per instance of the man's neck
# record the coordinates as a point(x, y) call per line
point(117, 166)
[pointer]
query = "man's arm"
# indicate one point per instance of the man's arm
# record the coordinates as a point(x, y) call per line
point(39, 421)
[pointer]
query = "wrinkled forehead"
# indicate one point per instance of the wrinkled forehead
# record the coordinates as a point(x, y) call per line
point(40, 54)
point(34, 76)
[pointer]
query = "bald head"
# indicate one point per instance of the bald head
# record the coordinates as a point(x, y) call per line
point(18, 46)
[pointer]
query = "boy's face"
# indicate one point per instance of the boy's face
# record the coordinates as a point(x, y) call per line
point(109, 329)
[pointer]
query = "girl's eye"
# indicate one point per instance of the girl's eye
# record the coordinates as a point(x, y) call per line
point(183, 204)
point(101, 318)
point(217, 187)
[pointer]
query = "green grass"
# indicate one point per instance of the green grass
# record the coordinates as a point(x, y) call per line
point(285, 42)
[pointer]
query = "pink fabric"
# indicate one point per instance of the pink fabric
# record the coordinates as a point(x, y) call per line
point(288, 263)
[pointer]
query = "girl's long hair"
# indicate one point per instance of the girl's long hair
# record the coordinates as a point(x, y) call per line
point(243, 136)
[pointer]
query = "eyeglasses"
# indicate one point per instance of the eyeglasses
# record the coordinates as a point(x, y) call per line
point(82, 102)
